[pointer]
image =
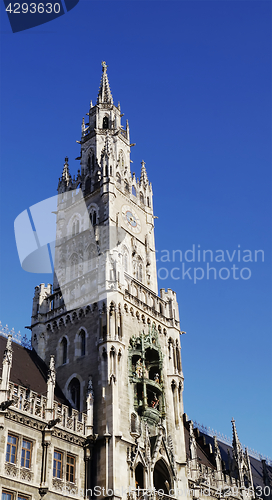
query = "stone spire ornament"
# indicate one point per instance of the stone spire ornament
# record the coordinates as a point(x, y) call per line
point(65, 173)
point(143, 178)
point(104, 93)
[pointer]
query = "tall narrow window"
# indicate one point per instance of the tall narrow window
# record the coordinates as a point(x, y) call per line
point(70, 469)
point(74, 266)
point(11, 453)
point(82, 337)
point(105, 122)
point(87, 186)
point(26, 454)
point(74, 390)
point(63, 345)
point(93, 218)
point(125, 262)
point(57, 464)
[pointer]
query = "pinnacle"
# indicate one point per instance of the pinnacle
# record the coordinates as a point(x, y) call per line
point(104, 93)
point(65, 173)
point(143, 178)
point(235, 440)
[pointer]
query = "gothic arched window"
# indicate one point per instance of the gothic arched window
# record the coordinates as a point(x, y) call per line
point(74, 392)
point(88, 185)
point(82, 338)
point(125, 262)
point(105, 122)
point(139, 477)
point(133, 191)
point(63, 346)
point(162, 479)
point(141, 198)
point(118, 176)
point(74, 266)
point(92, 253)
point(75, 227)
point(93, 217)
point(140, 272)
point(127, 186)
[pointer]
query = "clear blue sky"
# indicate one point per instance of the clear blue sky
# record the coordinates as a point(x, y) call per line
point(194, 81)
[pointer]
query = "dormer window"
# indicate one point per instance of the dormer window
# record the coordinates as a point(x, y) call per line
point(105, 122)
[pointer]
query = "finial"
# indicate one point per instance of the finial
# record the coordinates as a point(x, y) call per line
point(91, 104)
point(104, 66)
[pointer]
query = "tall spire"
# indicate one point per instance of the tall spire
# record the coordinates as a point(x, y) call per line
point(104, 93)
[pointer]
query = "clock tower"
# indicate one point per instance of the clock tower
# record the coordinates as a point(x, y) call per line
point(115, 340)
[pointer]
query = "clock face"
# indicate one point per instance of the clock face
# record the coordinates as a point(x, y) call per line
point(131, 219)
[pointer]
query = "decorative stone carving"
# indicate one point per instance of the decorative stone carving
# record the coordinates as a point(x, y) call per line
point(57, 484)
point(26, 474)
point(11, 470)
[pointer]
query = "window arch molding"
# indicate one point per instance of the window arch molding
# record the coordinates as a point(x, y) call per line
point(67, 388)
point(162, 476)
point(91, 255)
point(90, 159)
point(80, 342)
point(63, 343)
point(93, 214)
point(73, 265)
point(74, 225)
point(106, 121)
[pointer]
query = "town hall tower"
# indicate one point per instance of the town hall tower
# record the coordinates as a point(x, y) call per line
point(116, 342)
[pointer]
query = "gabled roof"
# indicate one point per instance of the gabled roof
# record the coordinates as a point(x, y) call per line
point(205, 455)
point(29, 370)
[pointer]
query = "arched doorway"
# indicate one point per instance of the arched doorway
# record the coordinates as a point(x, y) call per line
point(162, 479)
point(139, 477)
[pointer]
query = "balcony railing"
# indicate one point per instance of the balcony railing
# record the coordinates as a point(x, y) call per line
point(35, 405)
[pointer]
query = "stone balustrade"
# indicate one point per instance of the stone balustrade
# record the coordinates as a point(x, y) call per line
point(35, 405)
